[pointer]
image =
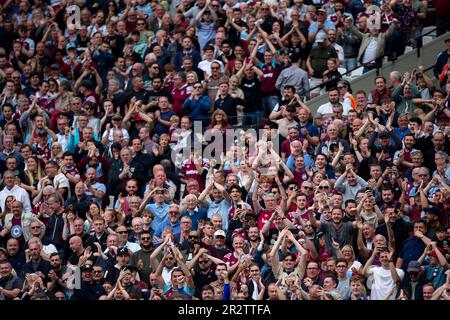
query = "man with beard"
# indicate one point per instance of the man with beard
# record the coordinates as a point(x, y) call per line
point(10, 285)
point(204, 273)
point(334, 230)
point(95, 189)
point(55, 274)
point(403, 157)
point(287, 121)
point(141, 259)
point(151, 98)
point(89, 290)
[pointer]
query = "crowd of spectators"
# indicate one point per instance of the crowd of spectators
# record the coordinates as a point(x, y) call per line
point(107, 191)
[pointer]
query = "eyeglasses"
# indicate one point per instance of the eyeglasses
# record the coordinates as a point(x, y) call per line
point(321, 13)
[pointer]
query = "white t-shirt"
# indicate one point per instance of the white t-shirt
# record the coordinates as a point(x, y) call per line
point(382, 282)
point(370, 54)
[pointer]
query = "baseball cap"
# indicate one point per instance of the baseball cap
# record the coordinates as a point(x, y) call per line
point(70, 46)
point(86, 267)
point(220, 233)
point(413, 266)
point(122, 250)
point(321, 37)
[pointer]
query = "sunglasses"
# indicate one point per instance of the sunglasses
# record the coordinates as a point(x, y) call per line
point(193, 237)
point(122, 232)
point(145, 238)
point(98, 271)
point(197, 87)
point(308, 188)
point(35, 228)
point(323, 187)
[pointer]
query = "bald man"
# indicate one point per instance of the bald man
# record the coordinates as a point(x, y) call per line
point(76, 246)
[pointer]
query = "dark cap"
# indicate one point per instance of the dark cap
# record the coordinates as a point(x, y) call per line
point(413, 266)
point(122, 250)
point(4, 250)
point(129, 267)
point(42, 133)
point(86, 267)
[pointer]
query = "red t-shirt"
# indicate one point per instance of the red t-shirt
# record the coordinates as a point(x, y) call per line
point(189, 171)
point(230, 259)
point(179, 96)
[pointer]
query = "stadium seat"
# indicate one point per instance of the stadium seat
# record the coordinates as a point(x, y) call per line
point(426, 39)
point(342, 71)
point(357, 72)
point(428, 29)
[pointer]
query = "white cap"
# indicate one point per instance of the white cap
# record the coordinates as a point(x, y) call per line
point(220, 233)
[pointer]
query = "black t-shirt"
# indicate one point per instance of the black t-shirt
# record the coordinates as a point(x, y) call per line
point(201, 279)
point(252, 93)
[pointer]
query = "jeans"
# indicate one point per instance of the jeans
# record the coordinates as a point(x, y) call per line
point(349, 63)
point(268, 103)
